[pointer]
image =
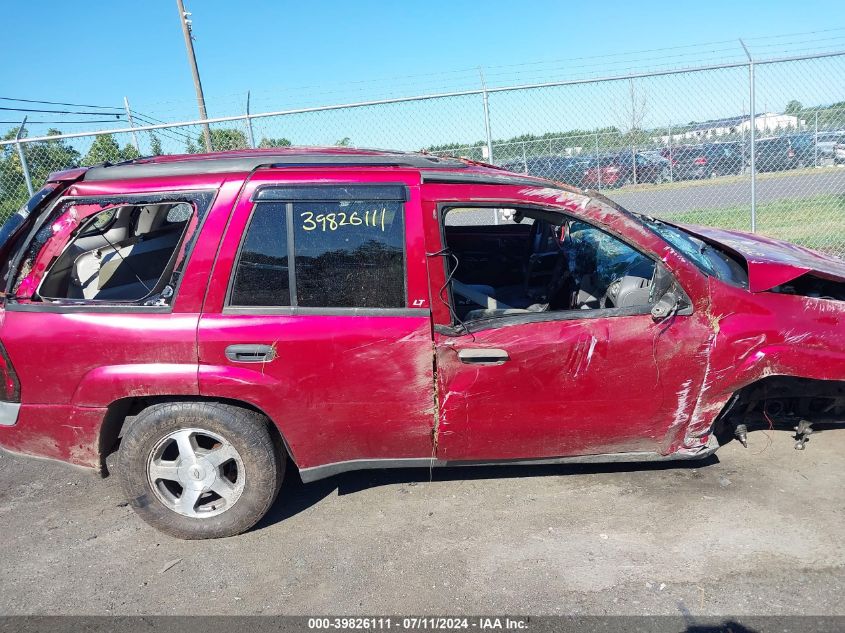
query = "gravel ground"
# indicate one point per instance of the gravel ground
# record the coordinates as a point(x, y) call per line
point(754, 531)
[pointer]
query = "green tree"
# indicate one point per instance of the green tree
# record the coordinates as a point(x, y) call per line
point(105, 149)
point(793, 107)
point(222, 139)
point(344, 142)
point(155, 145)
point(274, 142)
point(42, 158)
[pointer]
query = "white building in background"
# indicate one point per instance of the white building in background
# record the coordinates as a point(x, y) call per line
point(766, 123)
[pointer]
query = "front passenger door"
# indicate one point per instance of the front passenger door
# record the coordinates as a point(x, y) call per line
point(569, 382)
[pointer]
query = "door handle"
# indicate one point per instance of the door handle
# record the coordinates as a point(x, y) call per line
point(483, 356)
point(251, 353)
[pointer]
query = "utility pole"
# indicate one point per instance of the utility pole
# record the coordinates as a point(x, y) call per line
point(752, 107)
point(249, 136)
point(22, 156)
point(192, 60)
point(131, 124)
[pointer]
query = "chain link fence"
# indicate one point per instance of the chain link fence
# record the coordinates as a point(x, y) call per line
point(757, 146)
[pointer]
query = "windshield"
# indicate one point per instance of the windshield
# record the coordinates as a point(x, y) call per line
point(690, 247)
point(709, 260)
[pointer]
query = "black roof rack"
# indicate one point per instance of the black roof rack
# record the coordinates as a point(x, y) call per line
point(224, 164)
point(476, 178)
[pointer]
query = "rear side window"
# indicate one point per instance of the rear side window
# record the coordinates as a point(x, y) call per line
point(119, 249)
point(347, 252)
point(262, 275)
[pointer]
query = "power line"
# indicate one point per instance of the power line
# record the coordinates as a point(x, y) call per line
point(771, 37)
point(60, 111)
point(57, 122)
point(145, 118)
point(75, 105)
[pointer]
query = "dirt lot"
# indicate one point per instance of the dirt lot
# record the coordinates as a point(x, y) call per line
point(756, 531)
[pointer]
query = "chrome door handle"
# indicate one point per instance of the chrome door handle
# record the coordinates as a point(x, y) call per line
point(251, 353)
point(483, 356)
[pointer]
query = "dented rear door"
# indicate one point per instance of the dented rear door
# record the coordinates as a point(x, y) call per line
point(318, 315)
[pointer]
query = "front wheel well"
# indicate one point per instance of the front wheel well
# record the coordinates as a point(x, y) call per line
point(781, 402)
point(120, 414)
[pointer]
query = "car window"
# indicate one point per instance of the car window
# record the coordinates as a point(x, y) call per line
point(100, 222)
point(613, 258)
point(538, 264)
point(127, 250)
point(262, 276)
point(347, 253)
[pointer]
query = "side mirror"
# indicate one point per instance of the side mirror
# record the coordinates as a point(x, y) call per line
point(665, 306)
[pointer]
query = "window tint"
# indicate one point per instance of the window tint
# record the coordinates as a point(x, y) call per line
point(262, 278)
point(349, 254)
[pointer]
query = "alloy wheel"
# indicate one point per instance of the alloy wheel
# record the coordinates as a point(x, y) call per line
point(196, 473)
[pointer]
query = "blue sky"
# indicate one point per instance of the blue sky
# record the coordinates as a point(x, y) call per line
point(293, 54)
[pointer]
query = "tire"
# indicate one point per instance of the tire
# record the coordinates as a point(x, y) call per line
point(206, 447)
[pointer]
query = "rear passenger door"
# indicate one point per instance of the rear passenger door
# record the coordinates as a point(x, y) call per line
point(318, 315)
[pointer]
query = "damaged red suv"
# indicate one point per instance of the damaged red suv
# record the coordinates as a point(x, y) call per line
point(219, 319)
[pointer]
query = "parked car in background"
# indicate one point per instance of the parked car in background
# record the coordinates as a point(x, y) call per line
point(568, 169)
point(839, 153)
point(602, 173)
point(780, 153)
point(706, 160)
point(804, 145)
point(617, 170)
point(651, 168)
point(826, 143)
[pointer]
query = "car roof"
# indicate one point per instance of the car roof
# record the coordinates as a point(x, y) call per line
point(432, 168)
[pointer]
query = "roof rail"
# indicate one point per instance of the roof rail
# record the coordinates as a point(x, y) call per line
point(224, 164)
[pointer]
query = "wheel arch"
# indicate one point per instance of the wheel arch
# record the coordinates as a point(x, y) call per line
point(120, 413)
point(793, 395)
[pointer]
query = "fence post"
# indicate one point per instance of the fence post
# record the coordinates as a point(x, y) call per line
point(249, 137)
point(816, 141)
point(671, 158)
point(131, 124)
point(24, 165)
point(753, 154)
point(487, 131)
point(524, 159)
point(598, 163)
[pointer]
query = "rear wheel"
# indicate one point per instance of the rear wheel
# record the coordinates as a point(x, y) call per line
point(200, 469)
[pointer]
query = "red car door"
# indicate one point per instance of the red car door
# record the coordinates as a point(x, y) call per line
point(574, 382)
point(318, 315)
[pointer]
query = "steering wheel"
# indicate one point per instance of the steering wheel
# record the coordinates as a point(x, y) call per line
point(606, 296)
